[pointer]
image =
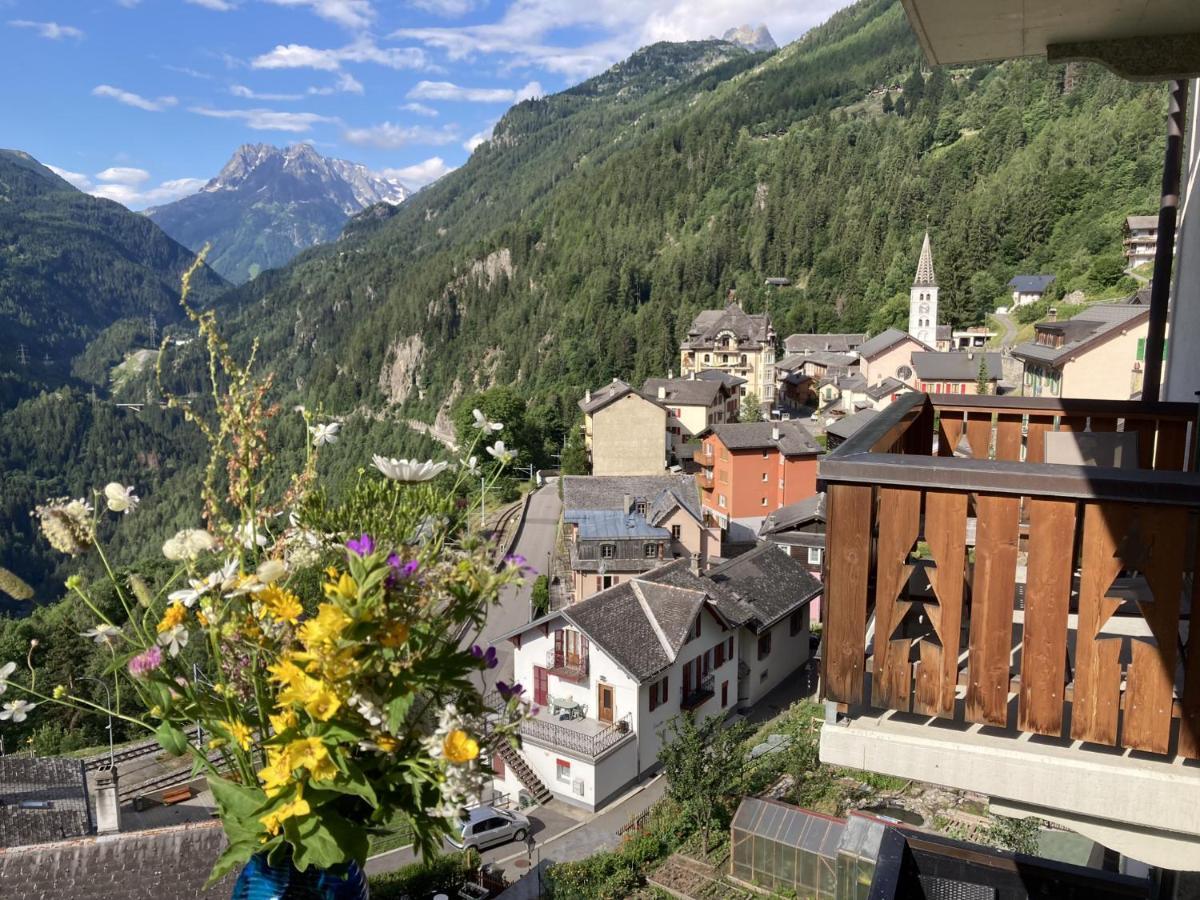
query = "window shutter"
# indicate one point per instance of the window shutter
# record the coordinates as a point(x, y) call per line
point(654, 696)
point(599, 583)
point(558, 644)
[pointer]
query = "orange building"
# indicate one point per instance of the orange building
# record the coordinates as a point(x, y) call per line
point(751, 469)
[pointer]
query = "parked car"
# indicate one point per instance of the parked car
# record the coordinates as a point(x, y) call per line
point(484, 827)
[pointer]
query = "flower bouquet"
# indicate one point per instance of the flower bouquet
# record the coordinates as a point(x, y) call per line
point(331, 675)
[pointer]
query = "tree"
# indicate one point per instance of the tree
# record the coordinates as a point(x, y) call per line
point(751, 410)
point(704, 765)
point(887, 103)
point(574, 453)
point(984, 384)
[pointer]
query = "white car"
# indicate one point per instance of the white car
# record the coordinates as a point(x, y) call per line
point(484, 827)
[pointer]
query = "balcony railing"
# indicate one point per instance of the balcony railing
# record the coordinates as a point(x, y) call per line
point(701, 458)
point(564, 664)
point(585, 737)
point(692, 697)
point(1067, 586)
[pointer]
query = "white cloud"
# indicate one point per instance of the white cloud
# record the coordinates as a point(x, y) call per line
point(240, 90)
point(215, 5)
point(450, 9)
point(131, 99)
point(51, 30)
point(363, 50)
point(193, 73)
point(390, 136)
point(420, 109)
point(345, 84)
point(420, 174)
point(125, 185)
point(477, 138)
point(123, 175)
point(266, 119)
point(350, 13)
point(445, 90)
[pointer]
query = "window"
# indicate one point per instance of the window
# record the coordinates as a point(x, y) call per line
point(764, 645)
point(562, 770)
point(676, 532)
point(650, 551)
point(654, 696)
point(607, 581)
point(764, 477)
point(719, 655)
point(721, 500)
point(729, 653)
point(640, 507)
point(766, 454)
point(658, 693)
point(814, 556)
point(763, 502)
point(708, 357)
point(724, 694)
point(608, 551)
point(796, 625)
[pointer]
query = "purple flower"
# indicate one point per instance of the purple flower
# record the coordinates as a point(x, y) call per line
point(489, 657)
point(145, 663)
point(517, 561)
point(364, 545)
point(508, 691)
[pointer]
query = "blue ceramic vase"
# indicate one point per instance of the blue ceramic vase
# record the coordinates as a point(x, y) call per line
point(259, 880)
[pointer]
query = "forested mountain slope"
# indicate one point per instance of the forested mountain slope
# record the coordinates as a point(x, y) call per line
point(578, 243)
point(71, 265)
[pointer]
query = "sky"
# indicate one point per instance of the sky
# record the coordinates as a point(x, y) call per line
point(142, 101)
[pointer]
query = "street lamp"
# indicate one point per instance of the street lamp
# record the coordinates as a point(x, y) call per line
point(108, 709)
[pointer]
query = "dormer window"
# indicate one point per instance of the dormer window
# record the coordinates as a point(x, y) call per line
point(640, 506)
point(608, 551)
point(650, 551)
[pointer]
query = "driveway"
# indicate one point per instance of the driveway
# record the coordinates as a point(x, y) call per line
point(1010, 329)
point(535, 541)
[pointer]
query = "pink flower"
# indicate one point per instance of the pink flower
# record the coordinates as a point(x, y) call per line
point(145, 663)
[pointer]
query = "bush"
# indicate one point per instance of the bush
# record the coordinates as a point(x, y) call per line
point(606, 875)
point(440, 875)
point(540, 597)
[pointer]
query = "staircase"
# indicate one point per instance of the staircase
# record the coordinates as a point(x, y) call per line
point(515, 761)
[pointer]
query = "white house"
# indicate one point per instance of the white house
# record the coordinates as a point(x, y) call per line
point(608, 673)
point(1028, 289)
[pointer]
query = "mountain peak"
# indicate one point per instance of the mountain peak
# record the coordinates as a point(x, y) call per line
point(756, 39)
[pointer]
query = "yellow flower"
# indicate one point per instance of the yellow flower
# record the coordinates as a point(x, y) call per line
point(273, 821)
point(282, 605)
point(277, 774)
point(217, 742)
point(323, 703)
point(332, 572)
point(202, 618)
point(345, 587)
point(394, 635)
point(459, 747)
point(287, 672)
point(173, 617)
point(283, 721)
point(311, 754)
point(325, 628)
point(59, 692)
point(386, 744)
point(239, 732)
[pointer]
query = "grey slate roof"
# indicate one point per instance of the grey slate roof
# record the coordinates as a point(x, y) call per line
point(749, 329)
point(56, 780)
point(597, 524)
point(1092, 326)
point(765, 583)
point(820, 357)
point(1030, 284)
point(810, 509)
point(614, 390)
point(794, 439)
point(730, 381)
point(955, 366)
point(889, 385)
point(834, 343)
point(844, 428)
point(684, 391)
point(1133, 222)
point(582, 492)
point(885, 340)
point(944, 332)
point(851, 382)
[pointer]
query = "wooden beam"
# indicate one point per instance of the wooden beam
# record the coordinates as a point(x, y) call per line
point(848, 564)
point(992, 593)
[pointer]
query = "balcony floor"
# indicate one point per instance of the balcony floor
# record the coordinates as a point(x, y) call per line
point(585, 726)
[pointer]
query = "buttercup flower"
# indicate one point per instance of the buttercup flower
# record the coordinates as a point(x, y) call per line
point(281, 722)
point(67, 525)
point(325, 434)
point(188, 544)
point(17, 710)
point(483, 424)
point(364, 545)
point(459, 747)
point(409, 469)
point(501, 453)
point(6, 670)
point(145, 663)
point(102, 633)
point(120, 499)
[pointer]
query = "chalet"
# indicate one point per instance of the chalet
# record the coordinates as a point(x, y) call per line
point(1028, 289)
point(956, 373)
point(1140, 239)
point(750, 469)
point(616, 527)
point(695, 403)
point(889, 355)
point(733, 341)
point(1099, 354)
point(624, 431)
point(608, 673)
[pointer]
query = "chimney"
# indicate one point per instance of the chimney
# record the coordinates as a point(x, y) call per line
point(970, 354)
point(587, 396)
point(614, 381)
point(108, 805)
point(1052, 315)
point(627, 503)
point(774, 432)
point(670, 374)
point(662, 392)
point(694, 564)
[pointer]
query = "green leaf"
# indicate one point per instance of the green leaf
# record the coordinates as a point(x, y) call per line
point(171, 739)
point(397, 711)
point(236, 854)
point(353, 782)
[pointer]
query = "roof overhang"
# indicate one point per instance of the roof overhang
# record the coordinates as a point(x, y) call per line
point(1142, 40)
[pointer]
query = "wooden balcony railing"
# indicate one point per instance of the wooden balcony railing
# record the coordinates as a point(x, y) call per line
point(1002, 590)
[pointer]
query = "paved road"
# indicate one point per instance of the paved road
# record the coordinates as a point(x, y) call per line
point(534, 542)
point(1010, 329)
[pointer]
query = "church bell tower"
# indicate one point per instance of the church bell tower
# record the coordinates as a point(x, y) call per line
point(923, 299)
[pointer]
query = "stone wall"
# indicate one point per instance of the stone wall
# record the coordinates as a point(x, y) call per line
point(144, 865)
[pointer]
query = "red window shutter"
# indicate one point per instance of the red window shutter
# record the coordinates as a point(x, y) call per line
point(731, 648)
point(498, 765)
point(558, 646)
point(599, 583)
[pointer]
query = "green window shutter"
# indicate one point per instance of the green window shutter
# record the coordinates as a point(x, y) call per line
point(1141, 350)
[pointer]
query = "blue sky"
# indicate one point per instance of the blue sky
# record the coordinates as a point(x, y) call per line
point(142, 101)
